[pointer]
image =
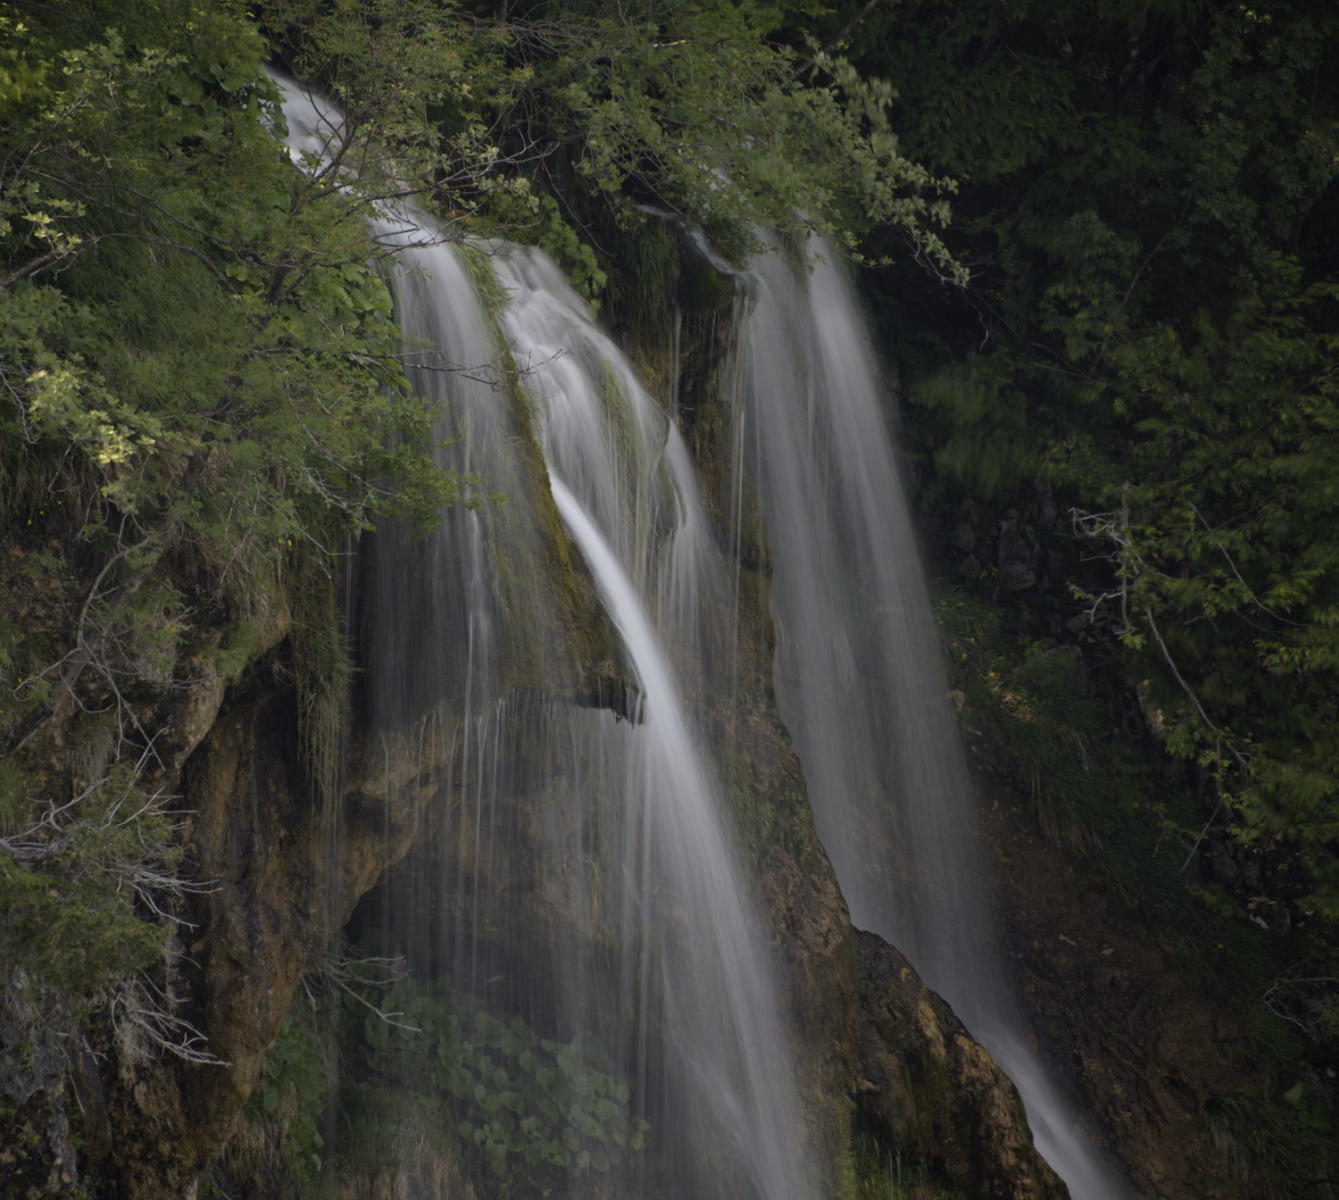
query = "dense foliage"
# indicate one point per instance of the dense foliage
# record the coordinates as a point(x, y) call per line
point(425, 1067)
point(1147, 204)
point(201, 398)
point(588, 114)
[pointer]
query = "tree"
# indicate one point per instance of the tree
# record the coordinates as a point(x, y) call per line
point(201, 396)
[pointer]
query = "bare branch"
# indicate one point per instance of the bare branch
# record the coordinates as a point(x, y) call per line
point(354, 976)
point(41, 262)
point(142, 1017)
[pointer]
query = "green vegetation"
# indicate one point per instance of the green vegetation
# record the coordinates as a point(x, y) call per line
point(1150, 325)
point(1032, 699)
point(288, 1105)
point(558, 122)
point(873, 1172)
point(525, 1114)
point(425, 1069)
point(1146, 204)
point(200, 400)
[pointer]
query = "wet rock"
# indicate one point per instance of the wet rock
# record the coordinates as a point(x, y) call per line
point(1079, 622)
point(1016, 576)
point(1047, 515)
point(811, 935)
point(1147, 1051)
point(37, 1160)
point(935, 1093)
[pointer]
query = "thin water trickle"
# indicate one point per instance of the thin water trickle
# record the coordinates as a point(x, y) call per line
point(859, 677)
point(626, 490)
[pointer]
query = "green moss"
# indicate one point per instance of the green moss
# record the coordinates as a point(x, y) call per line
point(530, 560)
point(241, 645)
point(321, 676)
point(870, 1170)
point(552, 581)
point(477, 260)
point(704, 292)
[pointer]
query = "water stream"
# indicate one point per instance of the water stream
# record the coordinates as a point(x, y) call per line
point(589, 881)
point(859, 677)
point(625, 489)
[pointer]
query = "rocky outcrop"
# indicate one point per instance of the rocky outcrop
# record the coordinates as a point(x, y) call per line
point(932, 1092)
point(79, 1074)
point(1149, 1052)
point(282, 874)
point(1008, 547)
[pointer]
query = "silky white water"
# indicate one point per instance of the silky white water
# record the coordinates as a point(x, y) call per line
point(625, 488)
point(594, 844)
point(719, 1007)
point(859, 677)
point(630, 813)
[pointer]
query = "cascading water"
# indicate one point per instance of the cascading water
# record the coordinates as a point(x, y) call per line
point(619, 476)
point(589, 882)
point(859, 678)
point(593, 844)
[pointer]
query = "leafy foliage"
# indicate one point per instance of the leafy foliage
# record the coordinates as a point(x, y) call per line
point(1147, 194)
point(200, 399)
point(526, 1113)
point(291, 1099)
point(692, 109)
point(587, 115)
point(1034, 700)
point(1151, 331)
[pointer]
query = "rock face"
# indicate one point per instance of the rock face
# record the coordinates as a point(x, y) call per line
point(78, 1097)
point(282, 876)
point(934, 1093)
point(1012, 549)
point(1147, 1050)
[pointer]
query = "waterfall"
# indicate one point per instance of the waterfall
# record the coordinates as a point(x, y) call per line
point(624, 486)
point(584, 876)
point(859, 678)
point(586, 879)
